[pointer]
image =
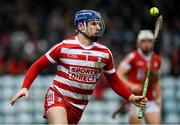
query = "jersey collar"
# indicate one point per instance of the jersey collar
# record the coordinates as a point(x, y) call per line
point(146, 57)
point(83, 46)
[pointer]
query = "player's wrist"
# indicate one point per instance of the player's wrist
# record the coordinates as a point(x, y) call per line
point(25, 88)
point(131, 98)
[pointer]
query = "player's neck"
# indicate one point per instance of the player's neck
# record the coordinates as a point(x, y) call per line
point(83, 40)
point(143, 53)
point(146, 57)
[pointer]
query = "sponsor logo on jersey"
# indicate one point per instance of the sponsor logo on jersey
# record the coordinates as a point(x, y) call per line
point(74, 56)
point(83, 74)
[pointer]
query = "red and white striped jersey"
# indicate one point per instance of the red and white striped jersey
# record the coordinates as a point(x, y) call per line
point(78, 68)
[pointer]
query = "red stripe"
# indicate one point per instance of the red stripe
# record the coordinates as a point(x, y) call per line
point(100, 49)
point(64, 65)
point(72, 89)
point(62, 74)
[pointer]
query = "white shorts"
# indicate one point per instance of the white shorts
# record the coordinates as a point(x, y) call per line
point(151, 106)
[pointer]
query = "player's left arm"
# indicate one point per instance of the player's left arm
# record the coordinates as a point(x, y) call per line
point(120, 88)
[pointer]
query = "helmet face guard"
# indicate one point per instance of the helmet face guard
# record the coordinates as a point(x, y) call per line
point(102, 25)
point(84, 16)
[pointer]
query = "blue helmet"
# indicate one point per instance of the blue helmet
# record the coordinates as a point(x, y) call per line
point(84, 16)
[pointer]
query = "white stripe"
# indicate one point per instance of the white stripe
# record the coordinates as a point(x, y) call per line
point(81, 63)
point(70, 41)
point(62, 68)
point(109, 71)
point(82, 107)
point(49, 58)
point(74, 83)
point(80, 51)
point(73, 94)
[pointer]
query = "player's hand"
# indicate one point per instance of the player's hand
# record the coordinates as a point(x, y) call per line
point(22, 92)
point(114, 115)
point(139, 101)
point(120, 109)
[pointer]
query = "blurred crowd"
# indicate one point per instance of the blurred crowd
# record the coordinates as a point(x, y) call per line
point(28, 28)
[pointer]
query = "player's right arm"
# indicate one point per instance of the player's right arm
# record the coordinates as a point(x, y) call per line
point(122, 70)
point(52, 56)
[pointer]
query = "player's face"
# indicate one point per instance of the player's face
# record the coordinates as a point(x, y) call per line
point(146, 45)
point(94, 28)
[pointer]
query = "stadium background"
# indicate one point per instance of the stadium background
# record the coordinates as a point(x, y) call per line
point(28, 28)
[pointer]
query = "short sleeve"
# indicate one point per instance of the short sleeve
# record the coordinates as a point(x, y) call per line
point(53, 54)
point(126, 62)
point(109, 68)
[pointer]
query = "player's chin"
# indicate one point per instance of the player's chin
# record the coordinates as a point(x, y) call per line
point(146, 51)
point(95, 37)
